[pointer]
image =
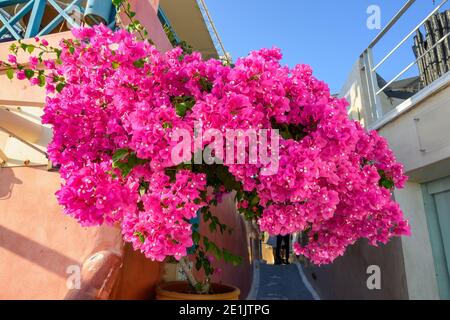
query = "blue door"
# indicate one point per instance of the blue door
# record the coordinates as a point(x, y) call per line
point(437, 206)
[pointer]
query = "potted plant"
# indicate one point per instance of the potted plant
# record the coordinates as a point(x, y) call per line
point(147, 140)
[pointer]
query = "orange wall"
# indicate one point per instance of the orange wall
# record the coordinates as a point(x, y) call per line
point(38, 242)
point(138, 277)
point(146, 13)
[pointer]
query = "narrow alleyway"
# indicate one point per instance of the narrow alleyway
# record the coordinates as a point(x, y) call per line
point(282, 282)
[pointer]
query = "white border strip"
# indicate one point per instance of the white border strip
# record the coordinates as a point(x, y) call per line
point(306, 282)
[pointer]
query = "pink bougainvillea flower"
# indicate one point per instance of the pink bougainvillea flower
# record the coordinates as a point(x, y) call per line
point(122, 95)
point(12, 59)
point(34, 81)
point(21, 75)
point(33, 62)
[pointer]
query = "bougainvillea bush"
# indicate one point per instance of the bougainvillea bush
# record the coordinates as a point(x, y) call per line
point(114, 103)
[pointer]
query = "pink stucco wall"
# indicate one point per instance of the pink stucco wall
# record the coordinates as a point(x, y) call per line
point(37, 242)
point(146, 13)
point(236, 243)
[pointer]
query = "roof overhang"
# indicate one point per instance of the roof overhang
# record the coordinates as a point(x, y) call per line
point(188, 23)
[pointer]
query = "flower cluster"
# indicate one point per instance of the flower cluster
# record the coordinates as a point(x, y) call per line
point(114, 118)
point(162, 227)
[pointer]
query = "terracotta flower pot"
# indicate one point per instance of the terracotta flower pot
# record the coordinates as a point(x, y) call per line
point(178, 291)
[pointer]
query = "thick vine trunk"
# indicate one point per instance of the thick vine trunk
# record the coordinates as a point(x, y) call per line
point(200, 288)
point(189, 275)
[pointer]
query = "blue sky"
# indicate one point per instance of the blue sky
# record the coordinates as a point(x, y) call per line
point(328, 34)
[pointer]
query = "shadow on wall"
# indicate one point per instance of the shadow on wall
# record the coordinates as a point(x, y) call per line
point(349, 275)
point(44, 248)
point(7, 182)
point(34, 252)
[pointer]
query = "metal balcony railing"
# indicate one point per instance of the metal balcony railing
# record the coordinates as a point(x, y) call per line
point(218, 44)
point(21, 19)
point(431, 57)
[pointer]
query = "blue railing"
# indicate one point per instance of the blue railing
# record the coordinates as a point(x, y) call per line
point(12, 13)
point(173, 37)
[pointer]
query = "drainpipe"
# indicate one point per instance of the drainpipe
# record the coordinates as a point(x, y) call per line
point(97, 12)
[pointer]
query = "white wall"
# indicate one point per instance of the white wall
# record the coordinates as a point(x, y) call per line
point(419, 134)
point(417, 252)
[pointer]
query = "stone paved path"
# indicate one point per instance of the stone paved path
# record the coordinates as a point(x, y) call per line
point(281, 282)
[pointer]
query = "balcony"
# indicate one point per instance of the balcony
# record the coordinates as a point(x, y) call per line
point(21, 19)
point(188, 21)
point(403, 65)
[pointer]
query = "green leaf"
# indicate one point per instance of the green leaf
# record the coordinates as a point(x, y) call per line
point(126, 161)
point(29, 73)
point(13, 47)
point(183, 104)
point(385, 181)
point(206, 216)
point(207, 244)
point(115, 65)
point(60, 86)
point(140, 236)
point(215, 219)
point(223, 228)
point(212, 247)
point(198, 264)
point(213, 227)
point(41, 80)
point(139, 63)
point(206, 84)
point(181, 109)
point(207, 266)
point(167, 125)
point(254, 201)
point(228, 257)
point(10, 74)
point(120, 154)
point(196, 237)
point(30, 49)
point(117, 3)
point(143, 187)
point(217, 252)
point(124, 168)
point(236, 261)
point(112, 174)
